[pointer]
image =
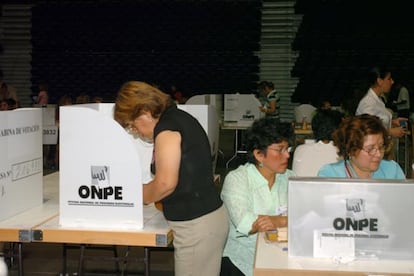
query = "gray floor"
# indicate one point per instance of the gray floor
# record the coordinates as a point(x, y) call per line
point(47, 259)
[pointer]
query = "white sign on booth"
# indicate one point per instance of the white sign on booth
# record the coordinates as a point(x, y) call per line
point(21, 162)
point(50, 135)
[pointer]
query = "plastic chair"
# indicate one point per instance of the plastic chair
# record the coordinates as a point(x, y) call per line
point(304, 112)
point(311, 156)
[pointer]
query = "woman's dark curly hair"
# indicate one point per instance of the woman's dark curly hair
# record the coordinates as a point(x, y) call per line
point(264, 132)
point(324, 122)
point(349, 137)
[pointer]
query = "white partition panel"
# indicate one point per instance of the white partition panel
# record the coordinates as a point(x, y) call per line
point(21, 163)
point(100, 170)
point(242, 109)
point(207, 117)
point(215, 100)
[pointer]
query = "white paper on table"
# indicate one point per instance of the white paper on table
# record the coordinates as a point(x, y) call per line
point(329, 243)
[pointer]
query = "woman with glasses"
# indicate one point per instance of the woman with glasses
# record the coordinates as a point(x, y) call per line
point(363, 142)
point(255, 194)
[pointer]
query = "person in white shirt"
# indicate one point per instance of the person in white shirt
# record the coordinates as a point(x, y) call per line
point(403, 100)
point(380, 82)
point(308, 158)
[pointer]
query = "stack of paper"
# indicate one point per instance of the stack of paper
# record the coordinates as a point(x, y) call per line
point(282, 234)
point(278, 235)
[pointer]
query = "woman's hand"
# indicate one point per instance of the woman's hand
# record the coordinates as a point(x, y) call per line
point(264, 223)
point(396, 132)
point(397, 121)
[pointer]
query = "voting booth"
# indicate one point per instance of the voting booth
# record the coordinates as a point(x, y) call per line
point(103, 167)
point(21, 162)
point(100, 180)
point(241, 109)
point(350, 219)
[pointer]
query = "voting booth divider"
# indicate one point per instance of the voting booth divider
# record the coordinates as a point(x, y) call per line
point(103, 167)
point(206, 115)
point(21, 162)
point(216, 100)
point(241, 109)
point(100, 179)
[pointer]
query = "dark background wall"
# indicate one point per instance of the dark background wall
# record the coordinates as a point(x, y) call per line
point(339, 40)
point(93, 47)
point(213, 46)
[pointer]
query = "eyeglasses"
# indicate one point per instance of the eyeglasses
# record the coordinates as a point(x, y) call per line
point(282, 150)
point(373, 150)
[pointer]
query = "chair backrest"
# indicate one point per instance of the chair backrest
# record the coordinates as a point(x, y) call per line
point(304, 111)
point(310, 157)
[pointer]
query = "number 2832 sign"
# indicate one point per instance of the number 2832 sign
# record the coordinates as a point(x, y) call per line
point(50, 135)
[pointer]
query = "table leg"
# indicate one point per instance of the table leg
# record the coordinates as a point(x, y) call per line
point(236, 147)
point(406, 154)
point(147, 254)
point(21, 272)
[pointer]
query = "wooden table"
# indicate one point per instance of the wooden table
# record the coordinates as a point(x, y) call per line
point(155, 232)
point(301, 135)
point(272, 259)
point(41, 224)
point(307, 132)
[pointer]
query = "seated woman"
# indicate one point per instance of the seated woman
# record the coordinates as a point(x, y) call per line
point(363, 142)
point(255, 194)
point(308, 158)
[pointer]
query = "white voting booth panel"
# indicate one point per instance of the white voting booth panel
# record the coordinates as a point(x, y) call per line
point(351, 218)
point(100, 176)
point(242, 109)
point(143, 148)
point(215, 100)
point(207, 117)
point(21, 163)
point(96, 153)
